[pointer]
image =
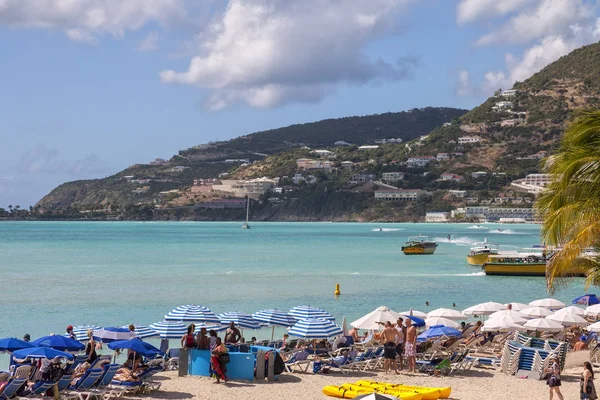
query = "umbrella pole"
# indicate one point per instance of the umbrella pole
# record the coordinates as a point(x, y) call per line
point(272, 332)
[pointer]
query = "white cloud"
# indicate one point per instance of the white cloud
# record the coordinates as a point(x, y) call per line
point(85, 20)
point(550, 17)
point(471, 10)
point(464, 86)
point(268, 52)
point(149, 43)
point(42, 159)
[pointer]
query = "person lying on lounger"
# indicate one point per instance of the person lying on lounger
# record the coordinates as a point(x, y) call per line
point(126, 375)
point(79, 372)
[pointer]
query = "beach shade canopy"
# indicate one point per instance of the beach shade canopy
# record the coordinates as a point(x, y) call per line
point(59, 342)
point(112, 333)
point(192, 313)
point(571, 310)
point(11, 344)
point(305, 312)
point(416, 321)
point(241, 320)
point(416, 313)
point(566, 319)
point(484, 308)
point(41, 352)
point(587, 300)
point(374, 396)
point(548, 303)
point(543, 325)
point(515, 316)
point(169, 329)
point(446, 313)
point(506, 319)
point(517, 306)
point(315, 328)
point(592, 311)
point(440, 321)
point(137, 345)
point(376, 318)
point(438, 331)
point(80, 331)
point(498, 325)
point(536, 312)
point(217, 328)
point(141, 331)
point(274, 317)
point(595, 327)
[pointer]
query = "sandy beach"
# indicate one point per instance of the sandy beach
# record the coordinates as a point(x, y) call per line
point(477, 384)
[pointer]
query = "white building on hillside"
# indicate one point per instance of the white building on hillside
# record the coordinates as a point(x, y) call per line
point(392, 176)
point(436, 217)
point(397, 195)
point(416, 162)
point(469, 139)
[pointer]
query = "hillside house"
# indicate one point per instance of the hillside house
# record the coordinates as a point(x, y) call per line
point(159, 161)
point(347, 164)
point(509, 93)
point(442, 156)
point(479, 175)
point(459, 194)
point(299, 178)
point(237, 161)
point(204, 185)
point(392, 176)
point(419, 162)
point(472, 200)
point(436, 217)
point(308, 164)
point(510, 122)
point(362, 177)
point(323, 153)
point(469, 139)
point(389, 195)
point(252, 188)
point(448, 176)
point(368, 147)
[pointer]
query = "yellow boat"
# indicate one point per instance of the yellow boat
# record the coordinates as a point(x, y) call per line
point(349, 391)
point(526, 262)
point(480, 251)
point(419, 245)
point(427, 393)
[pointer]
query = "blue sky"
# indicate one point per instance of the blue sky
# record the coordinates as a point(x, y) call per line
point(90, 87)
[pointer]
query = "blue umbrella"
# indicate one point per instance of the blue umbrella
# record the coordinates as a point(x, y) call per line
point(112, 333)
point(137, 345)
point(59, 342)
point(192, 313)
point(315, 328)
point(438, 331)
point(305, 312)
point(41, 352)
point(587, 299)
point(242, 320)
point(418, 322)
point(11, 344)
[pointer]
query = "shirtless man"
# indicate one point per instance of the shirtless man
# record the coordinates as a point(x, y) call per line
point(389, 348)
point(410, 345)
point(400, 337)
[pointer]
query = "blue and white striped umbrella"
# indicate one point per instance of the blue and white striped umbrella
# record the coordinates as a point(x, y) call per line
point(217, 328)
point(80, 331)
point(315, 328)
point(142, 331)
point(112, 333)
point(304, 312)
point(274, 317)
point(192, 313)
point(169, 329)
point(241, 320)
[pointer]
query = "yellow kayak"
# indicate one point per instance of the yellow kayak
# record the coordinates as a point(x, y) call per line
point(401, 394)
point(429, 393)
point(341, 393)
point(349, 391)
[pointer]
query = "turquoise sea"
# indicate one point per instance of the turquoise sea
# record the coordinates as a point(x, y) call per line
point(112, 273)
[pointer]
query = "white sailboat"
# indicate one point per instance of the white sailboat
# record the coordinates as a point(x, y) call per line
point(246, 225)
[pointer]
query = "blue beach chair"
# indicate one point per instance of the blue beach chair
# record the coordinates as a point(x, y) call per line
point(12, 387)
point(39, 388)
point(81, 388)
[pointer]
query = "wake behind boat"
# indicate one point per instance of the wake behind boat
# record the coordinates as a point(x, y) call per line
point(419, 245)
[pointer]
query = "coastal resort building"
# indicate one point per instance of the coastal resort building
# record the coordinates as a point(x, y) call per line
point(308, 164)
point(253, 188)
point(419, 162)
point(469, 139)
point(391, 177)
point(436, 217)
point(389, 195)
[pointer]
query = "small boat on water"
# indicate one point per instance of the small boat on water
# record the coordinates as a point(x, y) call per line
point(419, 245)
point(525, 262)
point(480, 251)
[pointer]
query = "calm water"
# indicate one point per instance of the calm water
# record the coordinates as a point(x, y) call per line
point(60, 273)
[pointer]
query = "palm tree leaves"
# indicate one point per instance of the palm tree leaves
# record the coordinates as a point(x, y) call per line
point(570, 205)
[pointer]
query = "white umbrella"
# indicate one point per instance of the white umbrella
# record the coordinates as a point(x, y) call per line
point(517, 306)
point(433, 321)
point(507, 319)
point(593, 311)
point(484, 308)
point(536, 312)
point(568, 319)
point(415, 313)
point(501, 326)
point(548, 303)
point(372, 319)
point(573, 310)
point(595, 327)
point(543, 325)
point(516, 315)
point(446, 313)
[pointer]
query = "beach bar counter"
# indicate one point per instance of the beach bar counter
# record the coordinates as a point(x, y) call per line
point(241, 364)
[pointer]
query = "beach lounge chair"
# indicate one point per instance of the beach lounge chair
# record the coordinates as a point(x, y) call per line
point(101, 387)
point(79, 359)
point(38, 388)
point(342, 363)
point(376, 359)
point(4, 376)
point(173, 359)
point(97, 364)
point(361, 359)
point(299, 360)
point(81, 389)
point(145, 385)
point(22, 371)
point(12, 387)
point(368, 342)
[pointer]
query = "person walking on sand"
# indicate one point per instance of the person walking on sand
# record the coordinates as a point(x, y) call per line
point(389, 348)
point(400, 338)
point(554, 380)
point(410, 346)
point(587, 390)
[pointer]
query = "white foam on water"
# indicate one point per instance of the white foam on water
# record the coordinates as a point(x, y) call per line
point(459, 241)
point(387, 229)
point(505, 232)
point(229, 272)
point(476, 227)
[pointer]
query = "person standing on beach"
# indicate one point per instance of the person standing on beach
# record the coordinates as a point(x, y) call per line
point(232, 334)
point(554, 380)
point(212, 339)
point(587, 390)
point(202, 340)
point(90, 348)
point(188, 341)
point(389, 348)
point(400, 338)
point(70, 333)
point(410, 345)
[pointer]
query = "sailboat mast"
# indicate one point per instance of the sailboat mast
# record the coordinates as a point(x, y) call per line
point(247, 208)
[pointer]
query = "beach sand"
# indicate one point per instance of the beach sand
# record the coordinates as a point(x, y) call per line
point(476, 384)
